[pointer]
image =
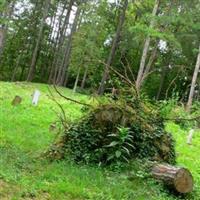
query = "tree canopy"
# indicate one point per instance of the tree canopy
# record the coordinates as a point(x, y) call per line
point(154, 44)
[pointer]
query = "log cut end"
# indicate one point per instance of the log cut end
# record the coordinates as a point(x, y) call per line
point(183, 181)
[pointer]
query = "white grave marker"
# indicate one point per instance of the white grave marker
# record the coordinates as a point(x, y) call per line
point(36, 96)
point(189, 138)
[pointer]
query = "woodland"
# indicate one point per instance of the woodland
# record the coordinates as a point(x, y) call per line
point(115, 91)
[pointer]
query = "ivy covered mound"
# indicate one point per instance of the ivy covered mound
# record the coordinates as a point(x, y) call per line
point(117, 132)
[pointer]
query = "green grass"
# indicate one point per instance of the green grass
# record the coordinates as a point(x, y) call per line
point(24, 174)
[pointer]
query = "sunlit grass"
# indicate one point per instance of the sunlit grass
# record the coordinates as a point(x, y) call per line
point(25, 174)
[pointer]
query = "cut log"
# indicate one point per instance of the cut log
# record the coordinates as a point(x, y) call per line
point(180, 179)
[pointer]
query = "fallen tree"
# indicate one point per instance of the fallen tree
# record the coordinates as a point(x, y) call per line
point(118, 131)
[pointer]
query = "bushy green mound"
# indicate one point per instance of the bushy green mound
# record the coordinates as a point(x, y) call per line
point(117, 132)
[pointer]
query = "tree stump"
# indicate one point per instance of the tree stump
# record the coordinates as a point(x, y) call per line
point(177, 178)
point(16, 101)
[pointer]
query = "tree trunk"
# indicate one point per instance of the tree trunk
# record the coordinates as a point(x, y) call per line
point(56, 48)
point(61, 43)
point(77, 79)
point(40, 34)
point(194, 79)
point(146, 48)
point(149, 64)
point(113, 49)
point(16, 68)
point(84, 78)
point(1, 40)
point(162, 79)
point(9, 7)
point(179, 179)
point(66, 79)
point(65, 62)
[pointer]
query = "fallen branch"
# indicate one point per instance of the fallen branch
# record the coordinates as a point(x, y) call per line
point(64, 118)
point(69, 99)
point(183, 119)
point(122, 76)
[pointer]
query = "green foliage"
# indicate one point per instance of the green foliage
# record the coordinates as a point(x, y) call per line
point(174, 110)
point(117, 132)
point(121, 145)
point(166, 107)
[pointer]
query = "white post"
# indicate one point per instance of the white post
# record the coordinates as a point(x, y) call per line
point(36, 96)
point(189, 138)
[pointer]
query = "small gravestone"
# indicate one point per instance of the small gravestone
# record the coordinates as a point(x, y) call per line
point(36, 96)
point(16, 101)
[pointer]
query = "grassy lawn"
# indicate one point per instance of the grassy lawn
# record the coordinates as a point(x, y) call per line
point(24, 174)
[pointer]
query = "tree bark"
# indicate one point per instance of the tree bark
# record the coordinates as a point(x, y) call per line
point(56, 48)
point(1, 40)
point(194, 79)
point(179, 179)
point(149, 64)
point(77, 79)
point(113, 49)
point(162, 79)
point(61, 43)
point(16, 68)
point(39, 38)
point(7, 14)
point(62, 71)
point(146, 48)
point(84, 78)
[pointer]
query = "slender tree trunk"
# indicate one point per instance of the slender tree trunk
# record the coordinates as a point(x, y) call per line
point(65, 62)
point(9, 8)
point(162, 79)
point(84, 77)
point(39, 38)
point(1, 40)
point(77, 79)
point(21, 77)
point(55, 48)
point(146, 48)
point(149, 64)
point(66, 79)
point(16, 68)
point(113, 49)
point(194, 79)
point(61, 43)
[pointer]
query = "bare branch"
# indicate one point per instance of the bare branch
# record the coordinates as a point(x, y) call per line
point(197, 118)
point(122, 76)
point(64, 118)
point(69, 99)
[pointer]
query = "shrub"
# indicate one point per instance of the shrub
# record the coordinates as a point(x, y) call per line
point(118, 132)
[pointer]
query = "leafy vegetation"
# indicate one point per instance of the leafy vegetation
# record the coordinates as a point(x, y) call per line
point(98, 137)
